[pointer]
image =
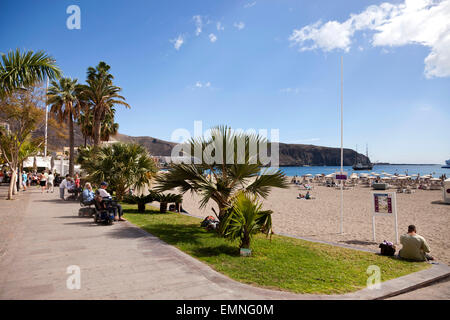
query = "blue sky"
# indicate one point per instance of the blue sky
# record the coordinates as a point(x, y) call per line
point(272, 64)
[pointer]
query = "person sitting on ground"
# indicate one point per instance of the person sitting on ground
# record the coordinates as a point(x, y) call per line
point(415, 247)
point(106, 196)
point(307, 196)
point(300, 196)
point(88, 194)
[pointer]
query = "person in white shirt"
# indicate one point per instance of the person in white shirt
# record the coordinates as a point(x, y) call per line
point(63, 185)
point(50, 182)
point(101, 192)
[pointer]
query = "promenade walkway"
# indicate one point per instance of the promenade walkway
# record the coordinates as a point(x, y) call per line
point(41, 236)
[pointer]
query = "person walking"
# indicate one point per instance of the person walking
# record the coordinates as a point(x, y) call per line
point(50, 182)
point(24, 181)
point(43, 181)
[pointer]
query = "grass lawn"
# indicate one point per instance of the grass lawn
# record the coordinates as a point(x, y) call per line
point(282, 263)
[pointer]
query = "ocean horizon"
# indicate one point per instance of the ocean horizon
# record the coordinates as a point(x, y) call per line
point(435, 170)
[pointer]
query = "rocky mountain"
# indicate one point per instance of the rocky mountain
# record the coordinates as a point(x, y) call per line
point(290, 154)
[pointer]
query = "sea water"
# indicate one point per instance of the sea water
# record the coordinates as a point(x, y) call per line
point(434, 170)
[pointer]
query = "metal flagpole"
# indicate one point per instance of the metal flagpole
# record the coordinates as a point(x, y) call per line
point(46, 120)
point(342, 144)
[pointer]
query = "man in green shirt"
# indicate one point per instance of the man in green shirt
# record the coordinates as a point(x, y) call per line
point(415, 247)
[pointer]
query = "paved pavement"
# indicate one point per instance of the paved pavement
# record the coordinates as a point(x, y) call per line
point(45, 236)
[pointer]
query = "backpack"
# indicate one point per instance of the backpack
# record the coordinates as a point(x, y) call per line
point(387, 248)
point(210, 223)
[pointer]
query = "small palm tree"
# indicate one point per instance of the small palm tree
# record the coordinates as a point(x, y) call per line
point(141, 200)
point(244, 219)
point(221, 181)
point(62, 96)
point(122, 165)
point(167, 198)
point(25, 69)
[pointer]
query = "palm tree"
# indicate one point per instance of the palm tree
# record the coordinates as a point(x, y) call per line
point(85, 122)
point(24, 69)
point(109, 127)
point(244, 219)
point(102, 95)
point(122, 165)
point(62, 97)
point(219, 180)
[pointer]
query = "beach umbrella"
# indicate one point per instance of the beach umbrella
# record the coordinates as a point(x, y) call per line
point(329, 175)
point(401, 178)
point(354, 176)
point(308, 175)
point(385, 178)
point(435, 179)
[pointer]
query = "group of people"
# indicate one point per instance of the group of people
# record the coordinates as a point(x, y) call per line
point(101, 198)
point(45, 180)
point(71, 184)
point(307, 196)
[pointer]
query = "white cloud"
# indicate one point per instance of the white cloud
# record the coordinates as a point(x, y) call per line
point(178, 42)
point(198, 24)
point(250, 4)
point(219, 26)
point(212, 37)
point(291, 90)
point(239, 25)
point(423, 22)
point(200, 84)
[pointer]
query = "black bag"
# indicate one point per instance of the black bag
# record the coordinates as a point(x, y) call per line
point(387, 248)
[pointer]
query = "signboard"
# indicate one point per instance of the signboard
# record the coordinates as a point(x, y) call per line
point(340, 175)
point(384, 204)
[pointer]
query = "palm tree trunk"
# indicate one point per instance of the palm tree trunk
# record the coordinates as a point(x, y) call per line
point(71, 145)
point(12, 184)
point(97, 128)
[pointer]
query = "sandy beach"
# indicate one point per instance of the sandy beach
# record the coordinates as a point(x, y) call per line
point(319, 218)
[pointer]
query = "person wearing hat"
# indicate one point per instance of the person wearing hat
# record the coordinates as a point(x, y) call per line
point(105, 194)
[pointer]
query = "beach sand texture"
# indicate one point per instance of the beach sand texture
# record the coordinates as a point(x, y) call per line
point(319, 219)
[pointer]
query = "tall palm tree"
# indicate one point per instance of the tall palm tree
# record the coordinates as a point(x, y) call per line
point(109, 127)
point(24, 69)
point(222, 179)
point(62, 97)
point(102, 95)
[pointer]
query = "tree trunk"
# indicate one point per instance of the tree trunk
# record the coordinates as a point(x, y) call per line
point(97, 127)
point(163, 207)
point(12, 184)
point(20, 177)
point(141, 207)
point(245, 241)
point(71, 145)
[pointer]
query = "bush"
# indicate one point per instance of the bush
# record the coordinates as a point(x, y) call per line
point(141, 200)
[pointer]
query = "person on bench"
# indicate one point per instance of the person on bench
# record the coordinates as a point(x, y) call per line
point(106, 196)
point(415, 247)
point(88, 194)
